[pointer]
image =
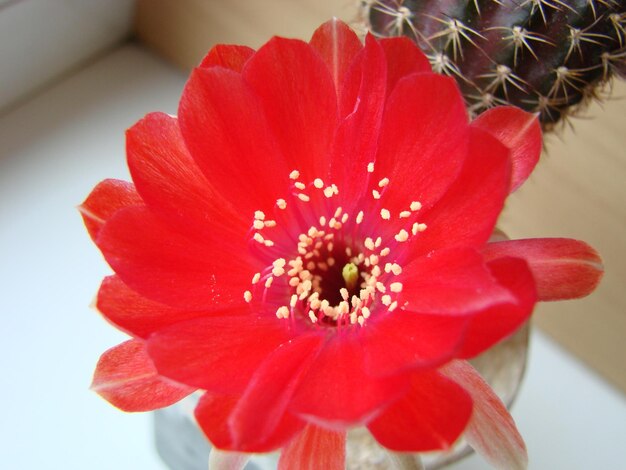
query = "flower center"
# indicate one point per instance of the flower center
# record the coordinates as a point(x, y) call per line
point(330, 274)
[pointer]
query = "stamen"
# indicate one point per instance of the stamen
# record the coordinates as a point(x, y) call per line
point(256, 278)
point(318, 183)
point(259, 215)
point(301, 186)
point(395, 287)
point(258, 224)
point(405, 214)
point(385, 214)
point(281, 203)
point(247, 296)
point(415, 206)
point(375, 194)
point(294, 175)
point(402, 236)
point(359, 217)
point(384, 182)
point(370, 167)
point(303, 197)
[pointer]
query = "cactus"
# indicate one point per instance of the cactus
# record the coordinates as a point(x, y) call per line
point(545, 56)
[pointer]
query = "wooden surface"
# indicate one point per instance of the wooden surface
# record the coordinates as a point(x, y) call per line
point(184, 30)
point(578, 189)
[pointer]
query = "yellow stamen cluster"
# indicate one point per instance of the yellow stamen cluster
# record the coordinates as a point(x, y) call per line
point(367, 278)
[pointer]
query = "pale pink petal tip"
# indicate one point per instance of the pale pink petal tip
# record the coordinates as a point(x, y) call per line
point(222, 460)
point(491, 431)
point(315, 448)
point(562, 268)
point(126, 377)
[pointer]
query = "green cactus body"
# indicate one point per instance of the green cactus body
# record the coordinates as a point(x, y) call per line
point(545, 56)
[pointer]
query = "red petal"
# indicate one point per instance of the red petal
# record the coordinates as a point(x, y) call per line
point(431, 416)
point(338, 391)
point(107, 197)
point(270, 389)
point(136, 314)
point(228, 56)
point(491, 431)
point(296, 92)
point(171, 268)
point(356, 140)
point(315, 448)
point(563, 268)
point(172, 185)
point(212, 413)
point(216, 109)
point(405, 340)
point(423, 140)
point(469, 210)
point(450, 281)
point(126, 377)
point(338, 45)
point(403, 58)
point(217, 353)
point(520, 132)
point(499, 321)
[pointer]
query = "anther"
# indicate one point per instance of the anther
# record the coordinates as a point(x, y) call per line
point(375, 194)
point(415, 206)
point(318, 183)
point(294, 175)
point(247, 296)
point(402, 236)
point(385, 214)
point(282, 312)
point(384, 182)
point(395, 287)
point(281, 203)
point(370, 167)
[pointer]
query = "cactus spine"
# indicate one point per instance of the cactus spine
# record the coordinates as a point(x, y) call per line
point(545, 56)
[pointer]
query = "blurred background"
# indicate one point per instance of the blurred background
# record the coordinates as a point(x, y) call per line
point(76, 73)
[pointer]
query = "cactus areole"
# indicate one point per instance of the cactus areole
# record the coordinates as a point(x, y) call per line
point(545, 56)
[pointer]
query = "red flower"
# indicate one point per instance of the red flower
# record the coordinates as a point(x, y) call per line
point(307, 243)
